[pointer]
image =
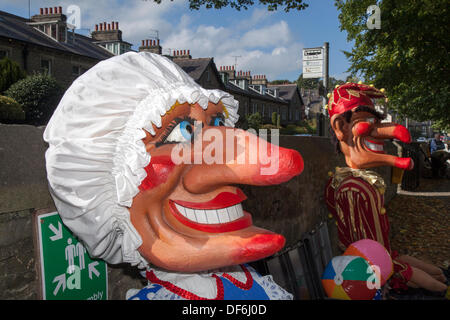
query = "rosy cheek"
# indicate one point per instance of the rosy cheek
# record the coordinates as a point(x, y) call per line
point(362, 129)
point(158, 171)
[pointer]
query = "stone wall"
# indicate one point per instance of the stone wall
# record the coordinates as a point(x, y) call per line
point(290, 209)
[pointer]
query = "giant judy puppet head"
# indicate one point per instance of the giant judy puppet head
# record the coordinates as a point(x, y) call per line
point(359, 130)
point(112, 174)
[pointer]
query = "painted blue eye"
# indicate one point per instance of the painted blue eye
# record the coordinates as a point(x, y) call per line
point(218, 122)
point(181, 133)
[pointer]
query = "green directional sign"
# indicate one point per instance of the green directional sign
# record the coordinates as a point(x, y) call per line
point(67, 270)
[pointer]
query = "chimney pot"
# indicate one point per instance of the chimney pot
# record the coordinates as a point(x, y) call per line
point(158, 42)
point(143, 43)
point(50, 10)
point(146, 43)
point(56, 10)
point(41, 10)
point(96, 27)
point(189, 52)
point(109, 26)
point(60, 10)
point(104, 26)
point(46, 10)
point(117, 25)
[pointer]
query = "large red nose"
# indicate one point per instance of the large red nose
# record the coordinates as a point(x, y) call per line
point(277, 166)
point(290, 164)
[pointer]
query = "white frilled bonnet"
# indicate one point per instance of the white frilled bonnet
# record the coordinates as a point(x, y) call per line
point(96, 158)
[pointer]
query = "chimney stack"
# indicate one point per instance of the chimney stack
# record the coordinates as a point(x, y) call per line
point(182, 54)
point(107, 32)
point(57, 16)
point(150, 45)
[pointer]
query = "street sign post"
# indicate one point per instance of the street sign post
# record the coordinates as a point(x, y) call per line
point(67, 270)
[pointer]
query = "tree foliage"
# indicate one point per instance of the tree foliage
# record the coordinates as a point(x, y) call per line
point(316, 83)
point(408, 55)
point(10, 73)
point(272, 5)
point(39, 94)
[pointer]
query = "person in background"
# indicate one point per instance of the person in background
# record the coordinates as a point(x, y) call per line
point(436, 144)
point(437, 158)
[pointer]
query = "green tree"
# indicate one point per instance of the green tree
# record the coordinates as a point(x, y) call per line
point(307, 83)
point(39, 94)
point(271, 5)
point(280, 82)
point(10, 73)
point(408, 55)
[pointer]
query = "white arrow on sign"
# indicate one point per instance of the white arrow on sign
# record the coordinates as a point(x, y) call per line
point(92, 269)
point(57, 232)
point(61, 282)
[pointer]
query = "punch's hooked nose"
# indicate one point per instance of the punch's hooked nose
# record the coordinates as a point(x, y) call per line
point(392, 131)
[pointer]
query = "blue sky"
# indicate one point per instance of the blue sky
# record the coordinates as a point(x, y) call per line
point(268, 43)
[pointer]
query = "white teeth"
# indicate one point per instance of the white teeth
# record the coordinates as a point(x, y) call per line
point(373, 146)
point(212, 216)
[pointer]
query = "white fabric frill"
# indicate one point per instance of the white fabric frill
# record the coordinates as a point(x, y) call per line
point(96, 158)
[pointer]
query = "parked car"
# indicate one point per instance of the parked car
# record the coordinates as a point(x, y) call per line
point(421, 139)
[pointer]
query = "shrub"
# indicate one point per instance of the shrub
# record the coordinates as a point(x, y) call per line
point(254, 121)
point(274, 118)
point(10, 111)
point(39, 95)
point(10, 73)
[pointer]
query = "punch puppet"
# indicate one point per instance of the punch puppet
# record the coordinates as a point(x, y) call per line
point(142, 165)
point(355, 195)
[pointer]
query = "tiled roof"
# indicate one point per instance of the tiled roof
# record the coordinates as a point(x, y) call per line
point(15, 27)
point(286, 91)
point(193, 67)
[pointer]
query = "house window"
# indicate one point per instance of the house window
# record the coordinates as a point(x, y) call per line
point(76, 70)
point(46, 66)
point(3, 54)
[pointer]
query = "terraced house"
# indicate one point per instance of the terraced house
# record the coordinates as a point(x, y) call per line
point(48, 43)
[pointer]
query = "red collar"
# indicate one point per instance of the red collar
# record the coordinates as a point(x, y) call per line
point(191, 296)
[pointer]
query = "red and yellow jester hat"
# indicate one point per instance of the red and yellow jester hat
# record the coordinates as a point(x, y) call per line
point(351, 95)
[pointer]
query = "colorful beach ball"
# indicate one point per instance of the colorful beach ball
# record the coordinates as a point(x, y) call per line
point(349, 278)
point(376, 254)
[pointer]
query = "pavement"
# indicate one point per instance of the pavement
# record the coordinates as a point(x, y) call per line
point(420, 226)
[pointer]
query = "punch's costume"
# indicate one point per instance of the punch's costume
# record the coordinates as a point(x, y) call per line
point(355, 197)
point(116, 185)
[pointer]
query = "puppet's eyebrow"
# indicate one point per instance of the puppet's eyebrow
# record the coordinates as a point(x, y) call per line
point(377, 114)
